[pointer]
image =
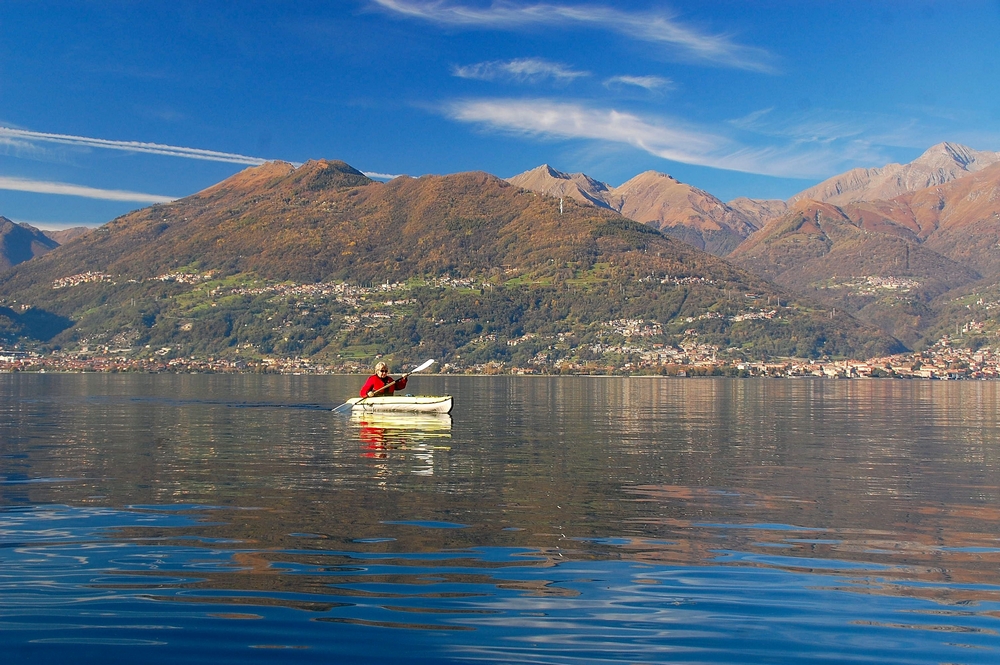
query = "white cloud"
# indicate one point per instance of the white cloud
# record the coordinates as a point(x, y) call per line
point(568, 120)
point(667, 138)
point(23, 136)
point(19, 148)
point(651, 83)
point(66, 189)
point(521, 69)
point(380, 176)
point(55, 226)
point(653, 27)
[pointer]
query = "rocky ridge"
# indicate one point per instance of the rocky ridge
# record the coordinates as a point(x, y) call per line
point(938, 165)
point(676, 209)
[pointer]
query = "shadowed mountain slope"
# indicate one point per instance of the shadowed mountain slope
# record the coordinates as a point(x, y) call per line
point(21, 242)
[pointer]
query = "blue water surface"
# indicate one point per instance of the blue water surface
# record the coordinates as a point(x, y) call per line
point(574, 521)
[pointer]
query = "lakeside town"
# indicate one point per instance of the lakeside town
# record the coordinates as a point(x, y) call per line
point(942, 360)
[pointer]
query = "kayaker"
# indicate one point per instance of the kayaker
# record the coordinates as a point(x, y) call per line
point(380, 379)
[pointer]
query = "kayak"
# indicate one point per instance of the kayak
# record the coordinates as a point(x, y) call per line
point(407, 403)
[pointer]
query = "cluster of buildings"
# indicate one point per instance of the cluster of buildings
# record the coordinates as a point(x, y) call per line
point(943, 360)
point(186, 277)
point(872, 283)
point(82, 278)
point(23, 361)
point(940, 361)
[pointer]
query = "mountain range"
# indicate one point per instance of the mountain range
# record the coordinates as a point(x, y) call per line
point(940, 164)
point(678, 210)
point(323, 262)
point(700, 219)
point(910, 250)
point(893, 245)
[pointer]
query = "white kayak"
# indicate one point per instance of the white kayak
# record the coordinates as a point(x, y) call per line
point(407, 403)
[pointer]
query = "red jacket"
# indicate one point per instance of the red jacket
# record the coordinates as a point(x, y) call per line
point(375, 382)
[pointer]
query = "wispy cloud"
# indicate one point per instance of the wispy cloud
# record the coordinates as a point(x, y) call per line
point(380, 176)
point(529, 70)
point(651, 83)
point(569, 120)
point(20, 148)
point(654, 27)
point(66, 189)
point(861, 138)
point(667, 138)
point(23, 136)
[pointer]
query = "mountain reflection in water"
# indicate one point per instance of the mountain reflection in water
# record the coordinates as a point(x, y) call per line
point(235, 518)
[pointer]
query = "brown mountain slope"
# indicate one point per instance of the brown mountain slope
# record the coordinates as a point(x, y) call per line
point(535, 269)
point(21, 242)
point(327, 220)
point(940, 164)
point(674, 208)
point(759, 211)
point(681, 211)
point(871, 267)
point(959, 219)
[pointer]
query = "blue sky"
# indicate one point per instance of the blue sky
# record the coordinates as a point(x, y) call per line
point(107, 106)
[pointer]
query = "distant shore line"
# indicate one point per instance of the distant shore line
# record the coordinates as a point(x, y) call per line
point(942, 360)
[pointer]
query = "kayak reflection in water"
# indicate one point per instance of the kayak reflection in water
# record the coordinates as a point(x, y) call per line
point(373, 442)
point(380, 383)
point(405, 436)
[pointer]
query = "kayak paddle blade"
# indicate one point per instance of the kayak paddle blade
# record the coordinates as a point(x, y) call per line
point(424, 365)
point(344, 408)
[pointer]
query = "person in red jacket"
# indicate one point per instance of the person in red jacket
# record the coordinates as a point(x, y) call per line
point(379, 379)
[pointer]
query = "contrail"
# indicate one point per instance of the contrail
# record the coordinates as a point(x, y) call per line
point(66, 189)
point(132, 146)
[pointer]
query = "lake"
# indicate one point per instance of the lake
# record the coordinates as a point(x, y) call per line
point(236, 519)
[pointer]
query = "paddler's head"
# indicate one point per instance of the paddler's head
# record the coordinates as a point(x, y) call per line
point(381, 369)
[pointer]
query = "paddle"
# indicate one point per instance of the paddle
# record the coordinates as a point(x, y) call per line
point(347, 406)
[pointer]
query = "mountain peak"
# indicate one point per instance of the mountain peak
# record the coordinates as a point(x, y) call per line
point(547, 180)
point(939, 164)
point(655, 175)
point(944, 155)
point(545, 169)
point(314, 174)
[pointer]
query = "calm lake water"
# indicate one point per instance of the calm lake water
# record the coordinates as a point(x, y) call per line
point(235, 519)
